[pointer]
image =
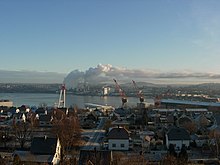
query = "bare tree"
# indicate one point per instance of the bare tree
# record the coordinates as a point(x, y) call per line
point(215, 135)
point(67, 128)
point(203, 121)
point(123, 159)
point(169, 160)
point(107, 125)
point(22, 131)
point(32, 119)
point(190, 126)
point(5, 135)
point(3, 161)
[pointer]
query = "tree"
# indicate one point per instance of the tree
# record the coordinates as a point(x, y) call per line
point(107, 125)
point(190, 126)
point(22, 131)
point(169, 160)
point(183, 155)
point(215, 135)
point(203, 121)
point(2, 160)
point(172, 150)
point(67, 128)
point(32, 119)
point(172, 159)
point(4, 135)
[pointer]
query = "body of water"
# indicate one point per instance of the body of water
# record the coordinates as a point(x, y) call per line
point(36, 99)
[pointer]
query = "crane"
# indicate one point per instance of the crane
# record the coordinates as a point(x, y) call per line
point(121, 92)
point(157, 101)
point(140, 92)
point(158, 98)
point(62, 98)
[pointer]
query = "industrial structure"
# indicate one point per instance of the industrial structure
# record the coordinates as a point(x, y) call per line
point(62, 98)
point(139, 93)
point(122, 93)
point(6, 103)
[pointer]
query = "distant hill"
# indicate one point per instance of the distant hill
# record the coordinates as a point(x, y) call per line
point(144, 84)
point(28, 88)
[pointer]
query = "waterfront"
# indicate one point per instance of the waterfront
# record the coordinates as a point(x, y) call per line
point(36, 99)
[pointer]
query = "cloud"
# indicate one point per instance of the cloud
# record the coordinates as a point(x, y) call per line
point(30, 77)
point(106, 74)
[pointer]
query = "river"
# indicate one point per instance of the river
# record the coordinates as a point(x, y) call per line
point(36, 99)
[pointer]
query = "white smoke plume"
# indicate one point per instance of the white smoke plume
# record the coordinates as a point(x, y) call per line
point(106, 73)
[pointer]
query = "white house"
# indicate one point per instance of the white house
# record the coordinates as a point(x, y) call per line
point(178, 137)
point(118, 139)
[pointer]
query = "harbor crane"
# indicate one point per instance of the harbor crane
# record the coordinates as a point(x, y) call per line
point(139, 93)
point(157, 101)
point(158, 98)
point(121, 92)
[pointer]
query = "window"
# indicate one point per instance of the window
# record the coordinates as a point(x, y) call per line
point(113, 145)
point(122, 145)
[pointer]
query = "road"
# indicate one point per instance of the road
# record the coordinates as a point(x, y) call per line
point(95, 136)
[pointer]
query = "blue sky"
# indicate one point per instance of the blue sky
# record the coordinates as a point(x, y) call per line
point(61, 36)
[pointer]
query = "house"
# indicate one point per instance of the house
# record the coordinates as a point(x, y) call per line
point(200, 140)
point(5, 114)
point(178, 137)
point(40, 111)
point(92, 116)
point(98, 112)
point(19, 117)
point(45, 120)
point(120, 122)
point(101, 157)
point(118, 139)
point(184, 120)
point(131, 118)
point(43, 150)
point(121, 112)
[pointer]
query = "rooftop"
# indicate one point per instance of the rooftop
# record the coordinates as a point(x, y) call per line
point(43, 145)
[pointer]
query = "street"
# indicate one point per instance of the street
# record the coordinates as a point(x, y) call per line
point(94, 136)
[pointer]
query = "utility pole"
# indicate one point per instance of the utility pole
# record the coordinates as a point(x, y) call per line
point(216, 143)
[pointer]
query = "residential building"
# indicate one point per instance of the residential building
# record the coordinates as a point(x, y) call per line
point(118, 139)
point(44, 150)
point(178, 137)
point(45, 120)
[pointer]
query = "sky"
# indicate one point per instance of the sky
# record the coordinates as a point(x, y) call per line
point(61, 36)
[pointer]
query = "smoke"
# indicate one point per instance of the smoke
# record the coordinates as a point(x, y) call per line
point(105, 73)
